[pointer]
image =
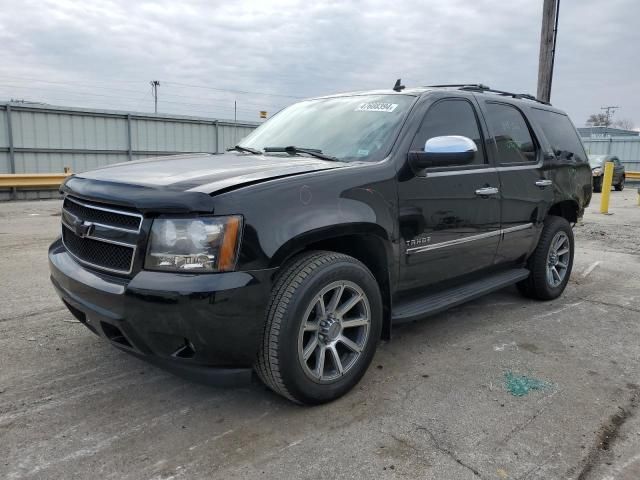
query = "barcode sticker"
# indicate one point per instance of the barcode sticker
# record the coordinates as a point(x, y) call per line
point(376, 107)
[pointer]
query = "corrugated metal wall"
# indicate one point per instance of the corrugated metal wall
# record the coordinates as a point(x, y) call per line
point(627, 149)
point(46, 139)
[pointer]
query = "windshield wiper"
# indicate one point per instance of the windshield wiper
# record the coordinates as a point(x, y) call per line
point(291, 150)
point(240, 148)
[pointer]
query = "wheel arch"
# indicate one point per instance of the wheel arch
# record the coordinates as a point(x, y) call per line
point(365, 242)
point(567, 209)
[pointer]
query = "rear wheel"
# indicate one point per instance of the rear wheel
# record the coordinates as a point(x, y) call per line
point(551, 262)
point(323, 324)
point(620, 186)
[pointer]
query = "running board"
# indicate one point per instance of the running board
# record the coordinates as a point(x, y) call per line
point(411, 310)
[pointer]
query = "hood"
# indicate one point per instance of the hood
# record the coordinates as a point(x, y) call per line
point(206, 173)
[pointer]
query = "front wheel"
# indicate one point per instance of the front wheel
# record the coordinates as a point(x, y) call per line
point(620, 186)
point(597, 184)
point(551, 262)
point(322, 327)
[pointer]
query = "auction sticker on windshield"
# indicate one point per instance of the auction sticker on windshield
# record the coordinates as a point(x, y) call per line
point(376, 107)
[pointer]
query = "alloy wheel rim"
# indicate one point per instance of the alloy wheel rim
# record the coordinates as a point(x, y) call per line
point(334, 331)
point(558, 259)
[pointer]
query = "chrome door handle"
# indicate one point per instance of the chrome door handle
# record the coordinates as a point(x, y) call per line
point(486, 191)
point(544, 183)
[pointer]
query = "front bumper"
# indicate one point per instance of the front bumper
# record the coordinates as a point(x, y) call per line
point(206, 327)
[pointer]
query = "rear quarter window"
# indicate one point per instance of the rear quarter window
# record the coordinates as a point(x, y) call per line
point(560, 133)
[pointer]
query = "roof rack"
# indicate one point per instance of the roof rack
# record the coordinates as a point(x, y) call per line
point(459, 85)
point(479, 87)
point(483, 88)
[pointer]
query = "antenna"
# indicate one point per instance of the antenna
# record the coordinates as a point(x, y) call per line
point(398, 87)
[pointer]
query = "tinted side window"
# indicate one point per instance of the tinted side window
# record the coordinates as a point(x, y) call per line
point(450, 117)
point(560, 132)
point(511, 133)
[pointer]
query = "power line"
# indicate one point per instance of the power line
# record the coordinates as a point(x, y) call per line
point(92, 94)
point(609, 111)
point(130, 103)
point(69, 84)
point(208, 102)
point(242, 92)
point(55, 84)
point(165, 82)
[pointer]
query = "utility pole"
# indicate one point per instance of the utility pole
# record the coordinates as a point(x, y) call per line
point(154, 91)
point(609, 111)
point(548, 36)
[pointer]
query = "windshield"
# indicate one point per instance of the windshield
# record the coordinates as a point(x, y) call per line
point(361, 127)
point(596, 160)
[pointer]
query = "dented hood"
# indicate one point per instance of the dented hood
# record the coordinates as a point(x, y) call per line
point(206, 173)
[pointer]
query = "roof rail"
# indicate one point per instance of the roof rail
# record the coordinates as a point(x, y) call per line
point(482, 88)
point(460, 85)
point(479, 87)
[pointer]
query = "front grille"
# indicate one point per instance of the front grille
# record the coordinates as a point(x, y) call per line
point(107, 256)
point(102, 215)
point(99, 236)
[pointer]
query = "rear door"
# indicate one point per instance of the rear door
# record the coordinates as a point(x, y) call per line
point(526, 191)
point(565, 161)
point(450, 228)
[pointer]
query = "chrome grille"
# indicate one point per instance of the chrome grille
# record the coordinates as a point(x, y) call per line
point(107, 256)
point(99, 236)
point(103, 215)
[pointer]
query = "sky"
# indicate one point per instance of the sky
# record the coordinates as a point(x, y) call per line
point(266, 54)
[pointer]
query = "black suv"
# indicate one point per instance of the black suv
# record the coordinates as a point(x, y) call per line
point(341, 216)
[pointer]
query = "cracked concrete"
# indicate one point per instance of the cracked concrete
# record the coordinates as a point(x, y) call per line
point(432, 405)
point(600, 455)
point(447, 451)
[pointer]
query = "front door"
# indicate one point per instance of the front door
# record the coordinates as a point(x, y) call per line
point(449, 216)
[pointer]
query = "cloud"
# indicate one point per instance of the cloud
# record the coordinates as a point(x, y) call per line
point(103, 54)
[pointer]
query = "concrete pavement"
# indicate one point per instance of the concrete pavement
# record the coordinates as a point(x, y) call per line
point(433, 404)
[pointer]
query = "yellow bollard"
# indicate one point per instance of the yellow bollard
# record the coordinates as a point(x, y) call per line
point(606, 187)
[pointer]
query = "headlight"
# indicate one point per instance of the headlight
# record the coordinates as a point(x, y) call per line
point(597, 172)
point(200, 244)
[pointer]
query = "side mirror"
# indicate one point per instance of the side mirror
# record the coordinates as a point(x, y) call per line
point(444, 152)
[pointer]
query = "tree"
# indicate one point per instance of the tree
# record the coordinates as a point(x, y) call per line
point(624, 123)
point(598, 120)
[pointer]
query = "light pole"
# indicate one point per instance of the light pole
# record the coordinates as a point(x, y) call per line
point(154, 91)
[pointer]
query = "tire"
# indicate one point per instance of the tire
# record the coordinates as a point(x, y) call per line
point(543, 284)
point(597, 184)
point(288, 359)
point(620, 186)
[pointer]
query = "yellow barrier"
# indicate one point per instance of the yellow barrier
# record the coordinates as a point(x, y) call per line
point(632, 175)
point(25, 180)
point(606, 187)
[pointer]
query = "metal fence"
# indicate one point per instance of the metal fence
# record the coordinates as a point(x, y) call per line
point(627, 149)
point(46, 139)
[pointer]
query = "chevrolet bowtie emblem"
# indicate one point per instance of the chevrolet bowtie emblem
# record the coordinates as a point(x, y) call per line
point(82, 228)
